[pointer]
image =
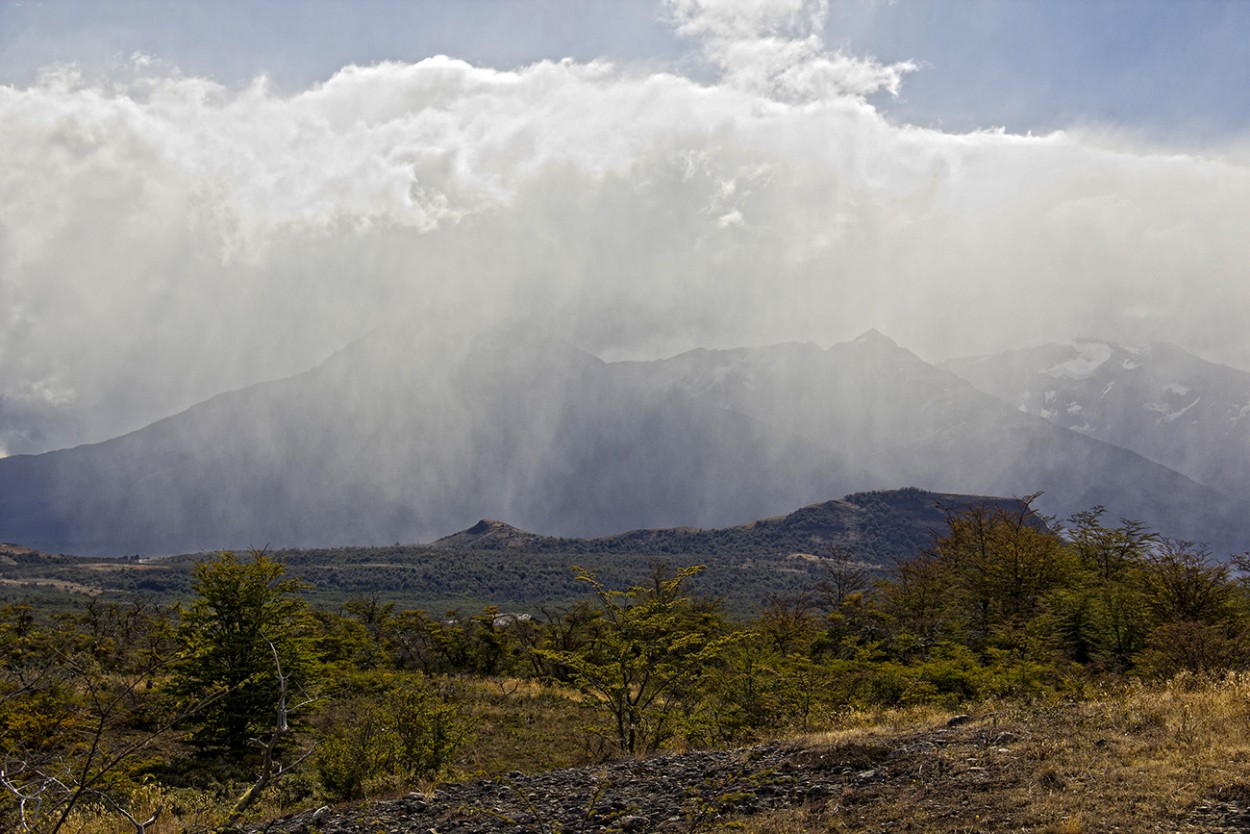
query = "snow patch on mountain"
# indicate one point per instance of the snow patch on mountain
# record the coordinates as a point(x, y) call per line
point(1160, 401)
point(1168, 415)
point(1090, 356)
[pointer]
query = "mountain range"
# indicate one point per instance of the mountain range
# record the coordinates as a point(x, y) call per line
point(402, 437)
point(1168, 405)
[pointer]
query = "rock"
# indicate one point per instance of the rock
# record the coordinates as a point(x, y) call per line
point(658, 794)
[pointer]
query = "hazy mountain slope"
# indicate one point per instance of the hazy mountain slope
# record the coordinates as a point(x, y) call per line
point(355, 452)
point(902, 420)
point(402, 438)
point(1160, 401)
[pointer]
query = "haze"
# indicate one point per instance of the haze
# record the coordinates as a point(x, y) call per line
point(740, 172)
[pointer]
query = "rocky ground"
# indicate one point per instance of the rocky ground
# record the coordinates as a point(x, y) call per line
point(682, 792)
point(966, 776)
point(666, 793)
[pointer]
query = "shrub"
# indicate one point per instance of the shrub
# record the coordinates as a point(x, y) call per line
point(406, 733)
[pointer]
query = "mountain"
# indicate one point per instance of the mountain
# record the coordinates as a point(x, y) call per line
point(1159, 401)
point(400, 437)
point(903, 420)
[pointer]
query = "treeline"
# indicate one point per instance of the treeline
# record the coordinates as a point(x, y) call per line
point(245, 696)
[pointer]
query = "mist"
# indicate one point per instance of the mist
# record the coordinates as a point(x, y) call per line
point(165, 237)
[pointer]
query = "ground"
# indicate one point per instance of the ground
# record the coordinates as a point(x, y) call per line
point(1163, 759)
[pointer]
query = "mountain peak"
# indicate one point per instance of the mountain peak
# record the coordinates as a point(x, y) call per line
point(488, 525)
point(874, 337)
point(488, 533)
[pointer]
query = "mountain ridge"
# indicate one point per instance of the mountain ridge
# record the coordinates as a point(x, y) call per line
point(398, 437)
point(879, 526)
point(1160, 401)
point(494, 563)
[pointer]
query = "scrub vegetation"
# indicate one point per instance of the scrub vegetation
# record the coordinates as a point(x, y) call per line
point(244, 701)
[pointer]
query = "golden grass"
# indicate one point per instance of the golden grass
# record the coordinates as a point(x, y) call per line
point(1141, 759)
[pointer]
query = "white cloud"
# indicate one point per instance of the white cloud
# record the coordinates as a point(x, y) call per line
point(163, 237)
point(772, 48)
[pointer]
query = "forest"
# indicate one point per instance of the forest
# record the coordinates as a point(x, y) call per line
point(244, 701)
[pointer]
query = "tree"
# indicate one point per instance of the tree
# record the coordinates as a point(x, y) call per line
point(1102, 615)
point(77, 715)
point(248, 620)
point(1000, 564)
point(647, 654)
point(842, 574)
point(1197, 622)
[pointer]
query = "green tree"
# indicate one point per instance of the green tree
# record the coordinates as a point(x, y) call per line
point(1102, 615)
point(1001, 563)
point(1198, 622)
point(77, 716)
point(247, 635)
point(989, 584)
point(645, 659)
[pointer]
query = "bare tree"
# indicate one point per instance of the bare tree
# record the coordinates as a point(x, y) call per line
point(271, 768)
point(842, 573)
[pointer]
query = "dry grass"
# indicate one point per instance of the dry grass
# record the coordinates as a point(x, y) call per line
point(181, 811)
point(515, 725)
point(522, 725)
point(1166, 758)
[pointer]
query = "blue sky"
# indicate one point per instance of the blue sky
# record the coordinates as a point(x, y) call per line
point(1167, 69)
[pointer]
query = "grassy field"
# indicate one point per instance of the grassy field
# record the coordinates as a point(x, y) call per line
point(1167, 758)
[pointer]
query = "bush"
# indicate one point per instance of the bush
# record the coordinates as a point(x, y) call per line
point(407, 733)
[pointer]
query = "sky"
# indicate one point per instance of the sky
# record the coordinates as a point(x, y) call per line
point(199, 195)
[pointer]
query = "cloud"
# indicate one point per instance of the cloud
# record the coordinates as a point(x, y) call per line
point(773, 48)
point(164, 237)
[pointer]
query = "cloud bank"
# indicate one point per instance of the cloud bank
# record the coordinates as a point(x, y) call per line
point(164, 237)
